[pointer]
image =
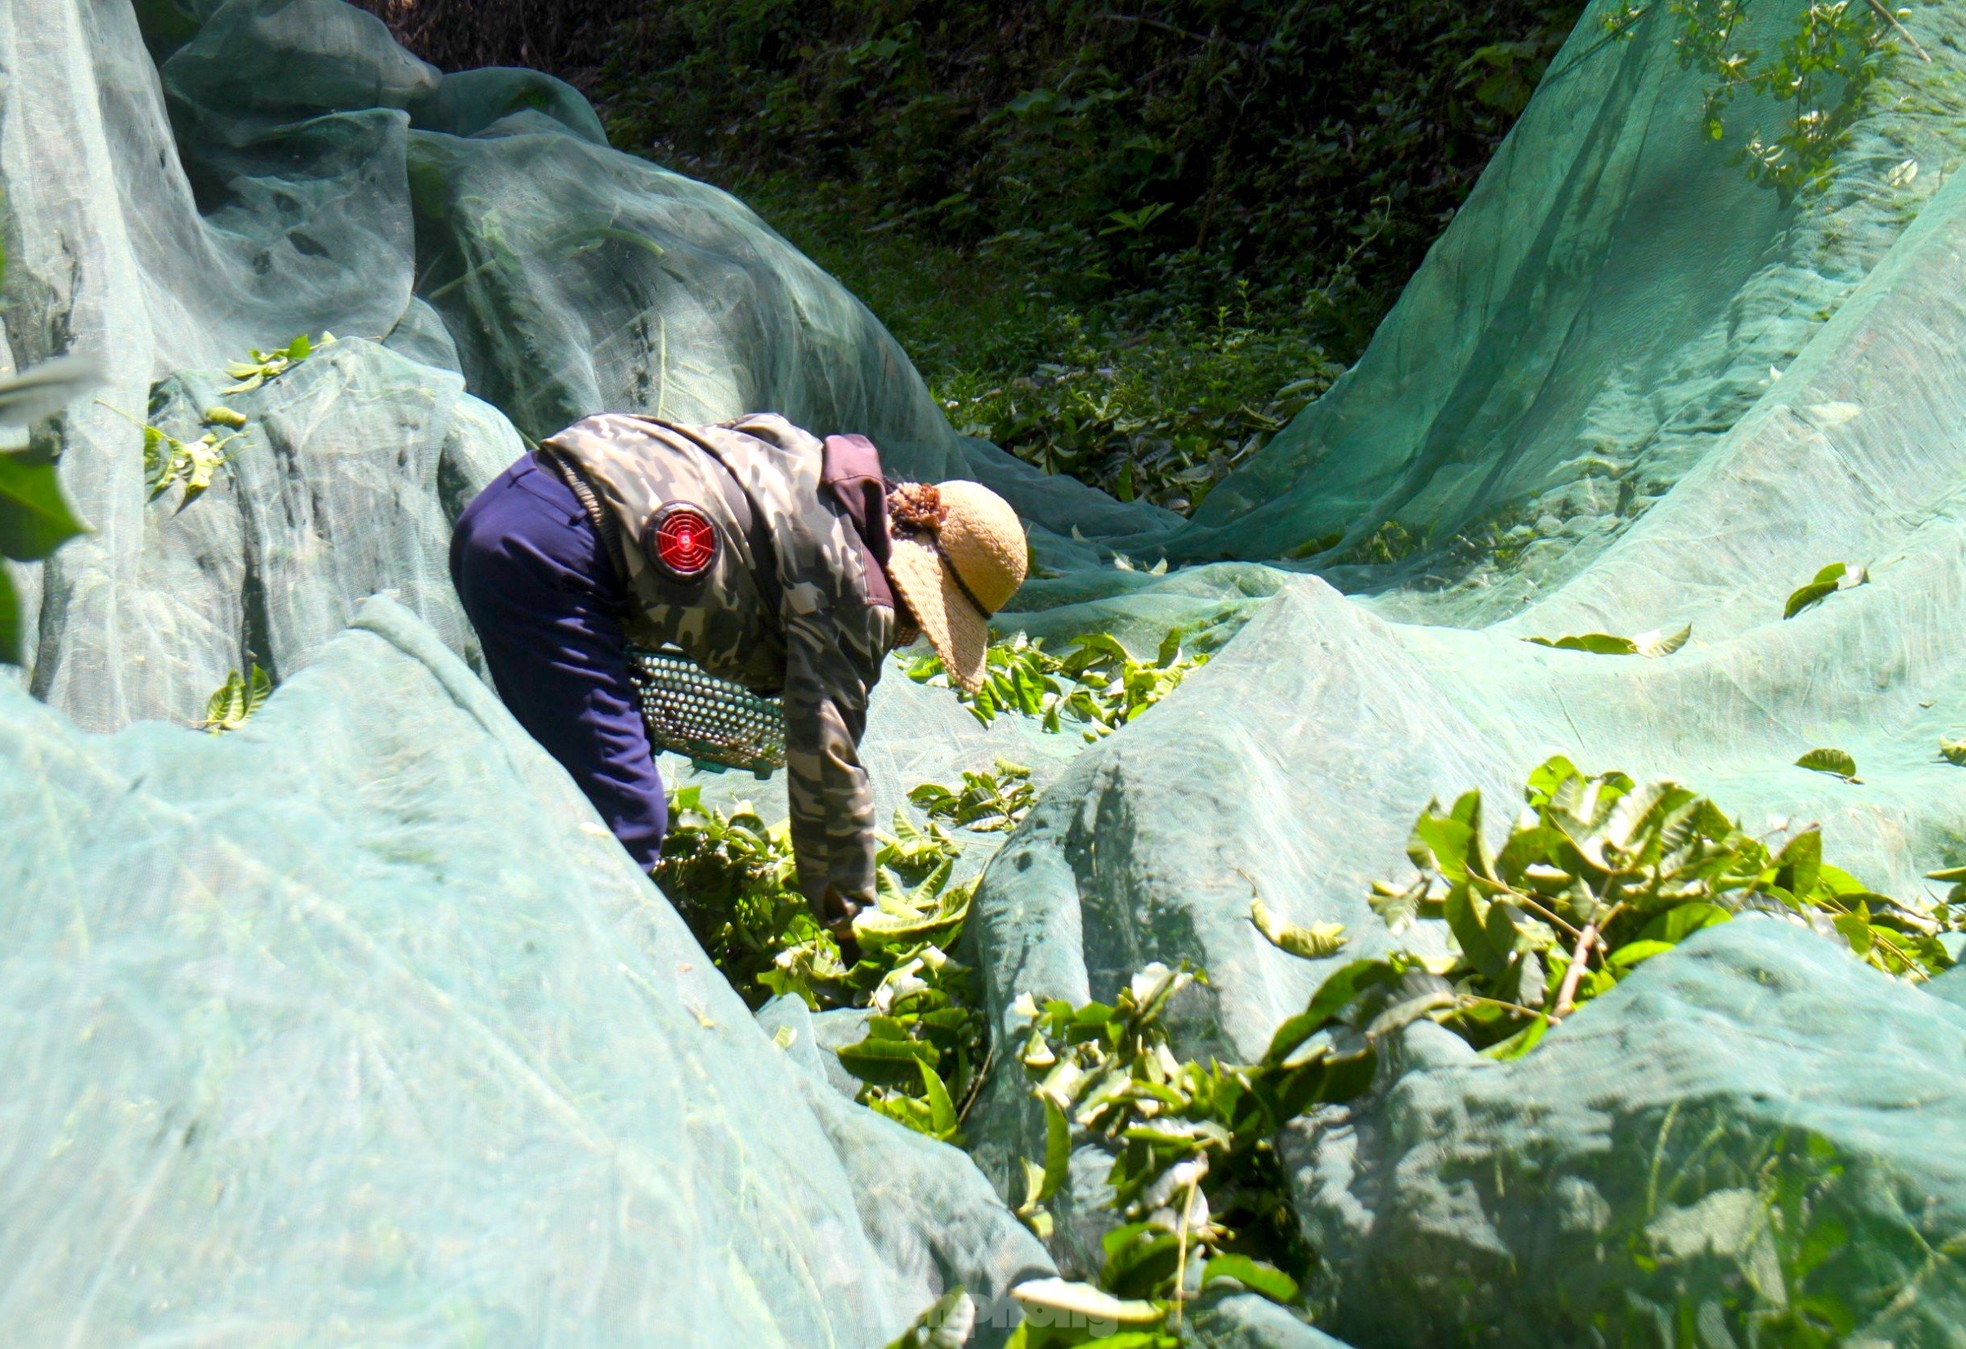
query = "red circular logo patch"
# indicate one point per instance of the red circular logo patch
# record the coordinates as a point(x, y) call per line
point(685, 541)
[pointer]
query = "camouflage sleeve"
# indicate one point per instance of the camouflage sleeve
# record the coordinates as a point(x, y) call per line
point(833, 657)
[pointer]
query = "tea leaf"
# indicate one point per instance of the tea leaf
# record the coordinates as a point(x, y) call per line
point(1254, 1275)
point(236, 700)
point(1312, 943)
point(1835, 762)
point(1836, 576)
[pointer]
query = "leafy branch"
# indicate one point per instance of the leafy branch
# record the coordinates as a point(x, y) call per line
point(1823, 69)
point(261, 366)
point(1096, 683)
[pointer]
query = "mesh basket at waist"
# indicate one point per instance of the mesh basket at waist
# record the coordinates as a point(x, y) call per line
point(713, 721)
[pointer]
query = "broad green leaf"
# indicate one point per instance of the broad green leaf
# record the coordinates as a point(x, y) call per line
point(1317, 942)
point(1800, 862)
point(1140, 1258)
point(1442, 842)
point(1807, 598)
point(1255, 1275)
point(1546, 779)
point(941, 1110)
point(885, 1062)
point(1597, 643)
point(236, 700)
point(10, 621)
point(1520, 1043)
point(34, 517)
point(1467, 920)
point(1953, 752)
point(1836, 576)
point(1339, 990)
point(1170, 648)
point(1835, 762)
point(1856, 929)
point(1682, 920)
point(1636, 952)
point(1057, 1151)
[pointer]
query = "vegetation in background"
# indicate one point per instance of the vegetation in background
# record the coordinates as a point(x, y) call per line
point(1168, 226)
point(1595, 878)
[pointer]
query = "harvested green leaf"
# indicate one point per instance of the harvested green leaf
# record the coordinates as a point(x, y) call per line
point(1835, 762)
point(994, 802)
point(237, 699)
point(1597, 643)
point(1649, 644)
point(1836, 576)
point(1312, 943)
point(1953, 752)
point(260, 366)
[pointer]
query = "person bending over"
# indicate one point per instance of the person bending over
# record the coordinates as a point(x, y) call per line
point(767, 557)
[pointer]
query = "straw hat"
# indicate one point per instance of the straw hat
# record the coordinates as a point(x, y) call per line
point(959, 555)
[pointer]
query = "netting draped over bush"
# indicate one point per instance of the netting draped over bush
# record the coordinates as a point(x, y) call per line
point(382, 1035)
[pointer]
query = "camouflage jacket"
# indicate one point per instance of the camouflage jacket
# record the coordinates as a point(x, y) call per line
point(785, 592)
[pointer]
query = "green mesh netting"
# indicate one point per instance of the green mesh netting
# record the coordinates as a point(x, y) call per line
point(353, 1025)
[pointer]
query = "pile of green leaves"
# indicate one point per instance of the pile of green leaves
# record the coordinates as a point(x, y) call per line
point(260, 366)
point(732, 879)
point(1195, 1175)
point(989, 803)
point(1596, 877)
point(1096, 685)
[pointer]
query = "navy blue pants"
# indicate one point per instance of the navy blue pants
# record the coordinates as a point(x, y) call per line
point(546, 599)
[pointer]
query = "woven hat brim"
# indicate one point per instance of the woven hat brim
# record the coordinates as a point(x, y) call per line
point(956, 628)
